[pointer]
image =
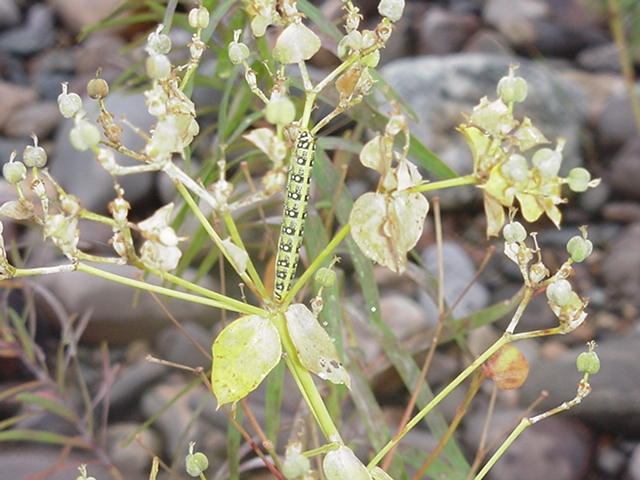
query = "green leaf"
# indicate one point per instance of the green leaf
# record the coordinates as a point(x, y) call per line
point(316, 350)
point(48, 404)
point(243, 354)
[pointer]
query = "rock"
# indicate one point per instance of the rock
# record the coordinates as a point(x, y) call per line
point(612, 405)
point(13, 97)
point(175, 345)
point(550, 28)
point(621, 212)
point(557, 448)
point(634, 464)
point(119, 313)
point(625, 170)
point(440, 31)
point(40, 118)
point(487, 41)
point(73, 169)
point(459, 271)
point(621, 266)
point(38, 461)
point(132, 381)
point(52, 68)
point(457, 82)
point(35, 35)
point(600, 58)
point(78, 14)
point(616, 124)
point(132, 456)
point(9, 14)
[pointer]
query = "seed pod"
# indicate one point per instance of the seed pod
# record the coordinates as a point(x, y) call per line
point(508, 368)
point(97, 88)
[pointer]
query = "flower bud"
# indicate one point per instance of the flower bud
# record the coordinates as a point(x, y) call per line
point(392, 9)
point(578, 179)
point(588, 362)
point(84, 135)
point(559, 292)
point(514, 232)
point(14, 171)
point(199, 17)
point(69, 103)
point(196, 463)
point(280, 110)
point(97, 88)
point(579, 248)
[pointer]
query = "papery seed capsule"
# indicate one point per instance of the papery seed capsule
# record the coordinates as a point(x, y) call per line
point(579, 179)
point(514, 232)
point(69, 104)
point(559, 292)
point(199, 17)
point(196, 463)
point(508, 368)
point(588, 362)
point(34, 156)
point(14, 172)
point(512, 89)
point(97, 88)
point(579, 248)
point(280, 111)
point(547, 162)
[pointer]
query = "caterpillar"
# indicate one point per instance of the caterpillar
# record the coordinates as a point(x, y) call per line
point(294, 213)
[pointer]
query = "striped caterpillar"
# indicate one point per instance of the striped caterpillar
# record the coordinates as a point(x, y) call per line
point(294, 213)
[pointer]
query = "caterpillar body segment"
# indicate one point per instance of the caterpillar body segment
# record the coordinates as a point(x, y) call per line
point(294, 214)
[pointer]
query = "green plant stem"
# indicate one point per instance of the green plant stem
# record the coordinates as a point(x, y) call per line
point(316, 264)
point(225, 303)
point(441, 184)
point(237, 239)
point(217, 240)
point(503, 340)
point(626, 64)
point(305, 383)
point(583, 390)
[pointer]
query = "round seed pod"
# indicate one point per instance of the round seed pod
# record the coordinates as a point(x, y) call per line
point(508, 368)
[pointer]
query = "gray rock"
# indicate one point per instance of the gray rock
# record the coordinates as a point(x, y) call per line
point(79, 172)
point(616, 124)
point(441, 89)
point(440, 31)
point(9, 14)
point(132, 381)
point(556, 448)
point(621, 266)
point(40, 118)
point(119, 313)
point(177, 346)
point(625, 170)
point(36, 34)
point(37, 461)
point(459, 271)
point(613, 404)
point(13, 97)
point(634, 464)
point(134, 456)
point(600, 58)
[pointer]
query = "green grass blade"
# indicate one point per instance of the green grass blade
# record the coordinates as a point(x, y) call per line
point(38, 436)
point(47, 404)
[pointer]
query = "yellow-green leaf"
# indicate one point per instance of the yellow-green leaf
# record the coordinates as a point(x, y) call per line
point(243, 354)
